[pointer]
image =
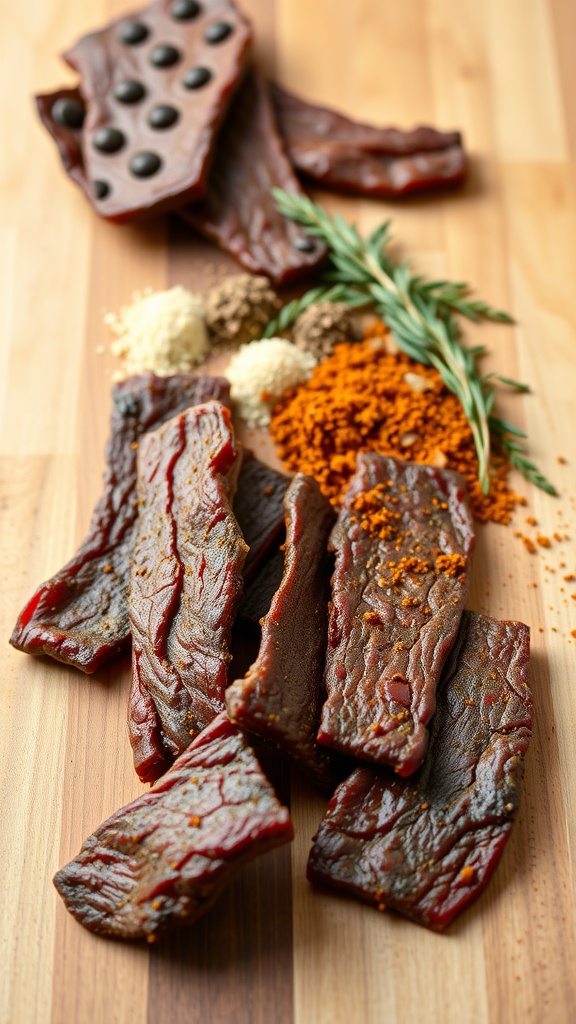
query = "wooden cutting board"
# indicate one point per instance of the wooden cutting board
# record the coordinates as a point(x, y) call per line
point(273, 950)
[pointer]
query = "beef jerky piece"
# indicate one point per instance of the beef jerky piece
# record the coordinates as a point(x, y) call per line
point(162, 861)
point(281, 695)
point(260, 590)
point(155, 87)
point(403, 541)
point(259, 509)
point(353, 157)
point(185, 583)
point(80, 615)
point(428, 846)
point(239, 213)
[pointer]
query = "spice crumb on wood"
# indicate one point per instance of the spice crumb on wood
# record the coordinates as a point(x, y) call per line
point(360, 400)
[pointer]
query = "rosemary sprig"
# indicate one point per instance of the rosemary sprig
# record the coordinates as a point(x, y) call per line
point(422, 317)
point(510, 441)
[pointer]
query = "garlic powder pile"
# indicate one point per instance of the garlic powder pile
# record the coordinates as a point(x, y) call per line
point(261, 372)
point(164, 332)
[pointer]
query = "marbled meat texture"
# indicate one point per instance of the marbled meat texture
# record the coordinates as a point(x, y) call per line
point(239, 213)
point(80, 615)
point(162, 861)
point(428, 846)
point(185, 583)
point(281, 695)
point(349, 156)
point(403, 542)
point(259, 509)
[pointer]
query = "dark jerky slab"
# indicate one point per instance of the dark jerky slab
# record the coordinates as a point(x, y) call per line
point(162, 861)
point(259, 509)
point(185, 583)
point(397, 603)
point(149, 131)
point(260, 590)
point(428, 846)
point(350, 156)
point(80, 615)
point(281, 695)
point(239, 213)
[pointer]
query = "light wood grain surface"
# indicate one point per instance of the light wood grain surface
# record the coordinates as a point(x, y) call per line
point(274, 950)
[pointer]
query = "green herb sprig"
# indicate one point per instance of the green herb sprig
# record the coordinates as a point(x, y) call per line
point(292, 310)
point(422, 317)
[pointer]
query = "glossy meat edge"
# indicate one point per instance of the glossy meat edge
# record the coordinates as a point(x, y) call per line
point(349, 156)
point(427, 846)
point(162, 861)
point(239, 213)
point(259, 509)
point(80, 615)
point(403, 541)
point(281, 696)
point(185, 583)
point(184, 147)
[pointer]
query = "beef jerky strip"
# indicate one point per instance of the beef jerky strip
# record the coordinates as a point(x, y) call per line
point(428, 846)
point(259, 509)
point(260, 589)
point(281, 695)
point(239, 213)
point(403, 541)
point(155, 87)
point(162, 861)
point(350, 156)
point(80, 615)
point(185, 583)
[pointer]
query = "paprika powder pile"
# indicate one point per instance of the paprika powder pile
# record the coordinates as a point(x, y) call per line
point(368, 396)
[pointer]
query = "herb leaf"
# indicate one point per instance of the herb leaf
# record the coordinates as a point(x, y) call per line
point(421, 316)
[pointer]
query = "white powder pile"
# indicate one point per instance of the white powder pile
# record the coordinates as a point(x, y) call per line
point(164, 332)
point(261, 372)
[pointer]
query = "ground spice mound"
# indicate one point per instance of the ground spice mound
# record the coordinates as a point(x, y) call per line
point(368, 397)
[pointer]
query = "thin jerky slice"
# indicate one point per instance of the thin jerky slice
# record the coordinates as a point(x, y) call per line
point(162, 861)
point(281, 695)
point(185, 583)
point(350, 156)
point(80, 615)
point(260, 589)
point(428, 846)
point(403, 542)
point(259, 509)
point(239, 213)
point(155, 88)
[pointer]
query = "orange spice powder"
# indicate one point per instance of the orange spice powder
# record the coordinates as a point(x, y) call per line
point(367, 397)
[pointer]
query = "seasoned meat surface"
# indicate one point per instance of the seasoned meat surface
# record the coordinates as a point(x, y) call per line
point(239, 213)
point(427, 846)
point(403, 542)
point(281, 695)
point(80, 615)
point(185, 583)
point(163, 860)
point(349, 156)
